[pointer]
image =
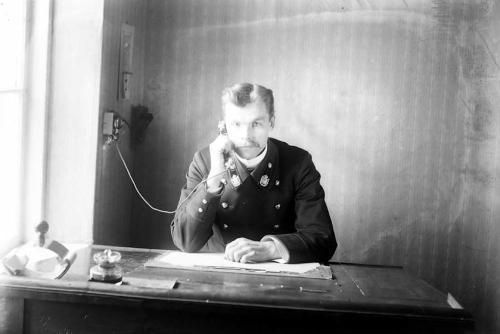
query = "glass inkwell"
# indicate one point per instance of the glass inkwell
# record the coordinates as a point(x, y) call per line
point(107, 269)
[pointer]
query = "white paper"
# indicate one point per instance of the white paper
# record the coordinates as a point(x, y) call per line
point(216, 260)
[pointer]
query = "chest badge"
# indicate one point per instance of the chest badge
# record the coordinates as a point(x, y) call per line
point(264, 180)
point(235, 180)
point(230, 164)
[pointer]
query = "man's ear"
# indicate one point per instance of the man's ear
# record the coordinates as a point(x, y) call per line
point(272, 122)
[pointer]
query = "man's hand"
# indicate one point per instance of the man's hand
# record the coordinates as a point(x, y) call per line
point(245, 250)
point(220, 145)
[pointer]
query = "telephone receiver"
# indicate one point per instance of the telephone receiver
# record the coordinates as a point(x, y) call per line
point(222, 128)
point(223, 131)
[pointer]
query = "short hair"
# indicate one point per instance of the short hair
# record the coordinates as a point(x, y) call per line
point(244, 93)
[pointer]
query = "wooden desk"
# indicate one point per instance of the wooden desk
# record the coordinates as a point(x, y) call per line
point(360, 299)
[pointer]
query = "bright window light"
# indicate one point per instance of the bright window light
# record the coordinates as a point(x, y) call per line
point(12, 37)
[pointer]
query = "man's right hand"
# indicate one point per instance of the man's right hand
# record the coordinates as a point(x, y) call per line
point(218, 148)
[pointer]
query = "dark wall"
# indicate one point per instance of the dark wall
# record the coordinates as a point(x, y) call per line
point(114, 193)
point(398, 104)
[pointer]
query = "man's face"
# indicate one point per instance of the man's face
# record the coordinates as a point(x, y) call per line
point(248, 128)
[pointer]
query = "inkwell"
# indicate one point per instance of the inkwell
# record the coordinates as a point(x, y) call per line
point(107, 269)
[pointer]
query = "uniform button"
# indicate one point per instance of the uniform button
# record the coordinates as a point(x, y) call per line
point(277, 182)
point(204, 201)
point(223, 181)
point(200, 210)
point(224, 205)
point(225, 226)
point(276, 226)
point(277, 206)
point(269, 165)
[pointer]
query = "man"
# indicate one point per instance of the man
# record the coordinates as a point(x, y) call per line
point(253, 197)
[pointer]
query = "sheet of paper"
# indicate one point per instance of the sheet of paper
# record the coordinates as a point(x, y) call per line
point(216, 260)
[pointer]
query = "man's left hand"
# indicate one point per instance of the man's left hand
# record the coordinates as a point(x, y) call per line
point(245, 250)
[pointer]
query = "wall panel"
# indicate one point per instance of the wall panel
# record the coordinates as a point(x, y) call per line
point(114, 192)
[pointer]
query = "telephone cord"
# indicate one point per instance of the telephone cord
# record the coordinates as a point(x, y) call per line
point(144, 199)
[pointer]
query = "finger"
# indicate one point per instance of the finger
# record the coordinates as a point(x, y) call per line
point(237, 243)
point(230, 249)
point(233, 248)
point(224, 142)
point(220, 144)
point(248, 257)
point(242, 240)
point(228, 253)
point(239, 253)
point(248, 242)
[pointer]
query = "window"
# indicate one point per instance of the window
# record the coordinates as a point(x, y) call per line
point(12, 39)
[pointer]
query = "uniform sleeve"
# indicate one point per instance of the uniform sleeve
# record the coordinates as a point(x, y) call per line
point(192, 225)
point(282, 250)
point(314, 239)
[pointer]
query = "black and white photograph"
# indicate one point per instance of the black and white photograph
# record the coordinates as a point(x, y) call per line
point(250, 166)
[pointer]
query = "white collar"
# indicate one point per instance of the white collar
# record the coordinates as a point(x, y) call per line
point(252, 163)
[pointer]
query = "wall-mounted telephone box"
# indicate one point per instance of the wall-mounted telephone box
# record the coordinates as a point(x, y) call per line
point(126, 68)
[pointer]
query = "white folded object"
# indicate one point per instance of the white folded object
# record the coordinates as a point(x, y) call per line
point(15, 262)
point(41, 260)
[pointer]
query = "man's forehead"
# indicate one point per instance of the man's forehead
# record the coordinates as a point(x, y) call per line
point(253, 111)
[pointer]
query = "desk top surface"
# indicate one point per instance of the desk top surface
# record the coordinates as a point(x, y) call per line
point(355, 288)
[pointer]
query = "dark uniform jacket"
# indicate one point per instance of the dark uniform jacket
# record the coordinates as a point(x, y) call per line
point(282, 197)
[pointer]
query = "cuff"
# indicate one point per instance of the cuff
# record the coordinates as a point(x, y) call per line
point(203, 203)
point(282, 250)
